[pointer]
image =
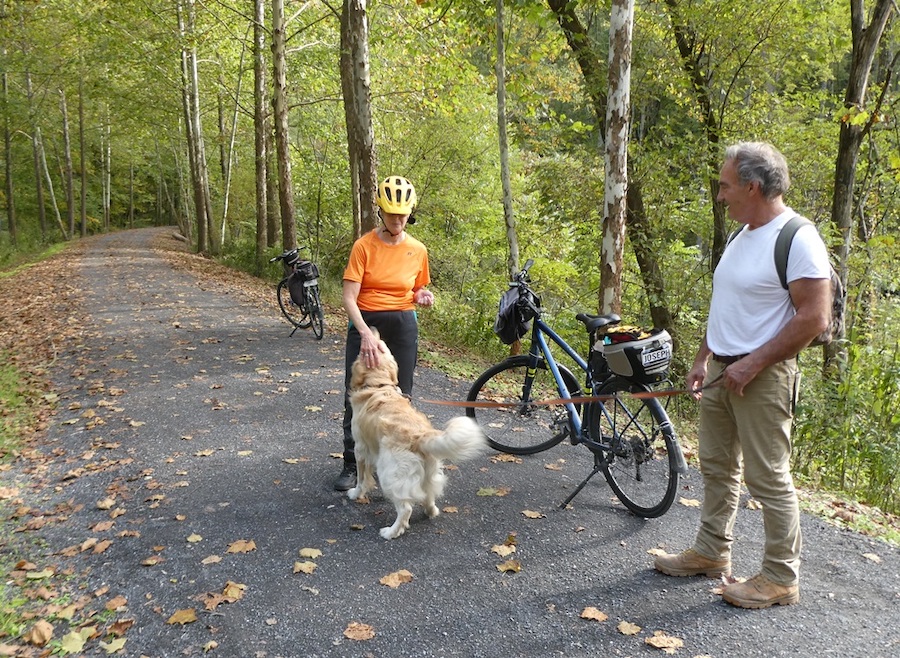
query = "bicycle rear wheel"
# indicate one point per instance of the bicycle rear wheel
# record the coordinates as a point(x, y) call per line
point(522, 428)
point(316, 315)
point(640, 462)
point(292, 311)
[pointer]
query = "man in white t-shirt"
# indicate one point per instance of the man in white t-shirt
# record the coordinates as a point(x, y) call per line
point(748, 362)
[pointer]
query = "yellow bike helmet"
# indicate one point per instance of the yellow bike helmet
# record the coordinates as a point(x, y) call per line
point(396, 196)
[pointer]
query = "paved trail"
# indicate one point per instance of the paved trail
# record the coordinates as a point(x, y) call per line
point(207, 425)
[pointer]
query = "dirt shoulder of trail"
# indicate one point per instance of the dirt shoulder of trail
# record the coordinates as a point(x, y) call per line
point(173, 497)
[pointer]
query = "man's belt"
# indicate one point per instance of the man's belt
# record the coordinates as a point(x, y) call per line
point(727, 360)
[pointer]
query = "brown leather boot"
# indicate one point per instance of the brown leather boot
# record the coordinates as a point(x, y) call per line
point(691, 563)
point(760, 592)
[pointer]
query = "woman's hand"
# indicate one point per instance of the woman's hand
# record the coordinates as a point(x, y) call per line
point(423, 297)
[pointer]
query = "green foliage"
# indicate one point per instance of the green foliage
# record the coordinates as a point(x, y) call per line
point(847, 434)
point(14, 412)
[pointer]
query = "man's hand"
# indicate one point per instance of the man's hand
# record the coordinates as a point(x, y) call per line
point(695, 379)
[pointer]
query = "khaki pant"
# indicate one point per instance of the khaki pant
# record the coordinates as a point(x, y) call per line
point(753, 430)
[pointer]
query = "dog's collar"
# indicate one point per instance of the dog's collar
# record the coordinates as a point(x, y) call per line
point(396, 388)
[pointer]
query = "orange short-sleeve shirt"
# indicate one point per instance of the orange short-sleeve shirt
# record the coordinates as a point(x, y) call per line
point(387, 274)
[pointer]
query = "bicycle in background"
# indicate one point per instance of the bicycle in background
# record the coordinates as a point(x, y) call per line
point(529, 403)
point(298, 293)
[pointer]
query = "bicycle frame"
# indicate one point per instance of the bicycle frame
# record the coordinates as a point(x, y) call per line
point(538, 350)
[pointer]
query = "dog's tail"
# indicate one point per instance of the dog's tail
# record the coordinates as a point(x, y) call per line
point(462, 439)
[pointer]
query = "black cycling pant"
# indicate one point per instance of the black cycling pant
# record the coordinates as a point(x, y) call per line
point(400, 331)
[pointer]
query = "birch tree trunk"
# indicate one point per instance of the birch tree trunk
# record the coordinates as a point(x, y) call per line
point(612, 247)
point(282, 153)
point(512, 238)
point(82, 157)
point(67, 152)
point(36, 156)
point(358, 110)
point(49, 179)
point(579, 40)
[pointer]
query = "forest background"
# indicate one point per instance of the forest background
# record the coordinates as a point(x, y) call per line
point(123, 113)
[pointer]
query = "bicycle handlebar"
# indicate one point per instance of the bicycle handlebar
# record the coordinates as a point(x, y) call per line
point(284, 255)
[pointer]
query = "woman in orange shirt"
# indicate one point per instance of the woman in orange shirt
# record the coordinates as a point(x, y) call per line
point(384, 281)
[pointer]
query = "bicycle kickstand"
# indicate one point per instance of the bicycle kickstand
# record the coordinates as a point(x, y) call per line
point(597, 469)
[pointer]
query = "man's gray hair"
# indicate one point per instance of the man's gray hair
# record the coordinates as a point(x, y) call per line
point(760, 162)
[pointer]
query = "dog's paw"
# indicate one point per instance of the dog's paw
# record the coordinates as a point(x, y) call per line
point(353, 493)
point(432, 511)
point(390, 532)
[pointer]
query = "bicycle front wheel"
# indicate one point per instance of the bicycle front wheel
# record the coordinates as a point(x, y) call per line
point(521, 427)
point(292, 311)
point(316, 314)
point(640, 460)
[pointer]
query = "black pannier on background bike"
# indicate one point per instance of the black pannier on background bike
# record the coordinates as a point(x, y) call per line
point(298, 293)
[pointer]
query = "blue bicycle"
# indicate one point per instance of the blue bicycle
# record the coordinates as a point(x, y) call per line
point(529, 403)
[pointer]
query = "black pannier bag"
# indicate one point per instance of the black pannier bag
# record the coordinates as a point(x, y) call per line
point(306, 271)
point(511, 322)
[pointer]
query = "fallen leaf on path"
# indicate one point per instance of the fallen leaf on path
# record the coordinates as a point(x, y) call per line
point(689, 502)
point(106, 503)
point(503, 457)
point(40, 633)
point(593, 613)
point(358, 631)
point(241, 546)
point(211, 559)
point(311, 553)
point(503, 549)
point(194, 538)
point(73, 642)
point(510, 566)
point(305, 567)
point(394, 580)
point(183, 617)
point(872, 557)
point(627, 628)
point(530, 514)
point(665, 642)
point(114, 645)
point(116, 603)
point(121, 626)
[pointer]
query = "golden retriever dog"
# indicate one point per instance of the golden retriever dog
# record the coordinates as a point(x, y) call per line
point(400, 443)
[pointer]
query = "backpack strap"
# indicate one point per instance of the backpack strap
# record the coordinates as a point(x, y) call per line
point(783, 246)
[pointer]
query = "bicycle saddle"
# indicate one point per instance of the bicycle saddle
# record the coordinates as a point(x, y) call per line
point(594, 322)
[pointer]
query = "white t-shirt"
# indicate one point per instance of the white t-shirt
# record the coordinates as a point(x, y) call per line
point(749, 306)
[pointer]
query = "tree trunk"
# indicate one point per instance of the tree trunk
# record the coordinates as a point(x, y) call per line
point(70, 178)
point(612, 247)
point(358, 109)
point(7, 150)
point(866, 39)
point(580, 42)
point(36, 156)
point(49, 179)
point(82, 157)
point(512, 238)
point(353, 155)
point(651, 273)
point(259, 128)
point(282, 153)
point(194, 129)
